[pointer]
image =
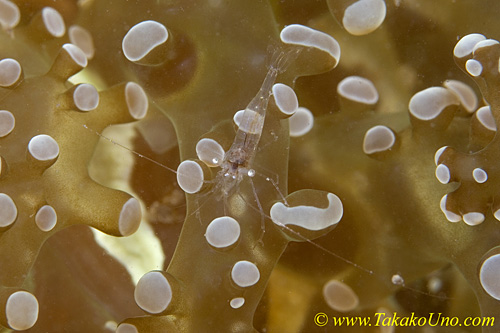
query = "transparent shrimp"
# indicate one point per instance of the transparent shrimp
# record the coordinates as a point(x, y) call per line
point(238, 159)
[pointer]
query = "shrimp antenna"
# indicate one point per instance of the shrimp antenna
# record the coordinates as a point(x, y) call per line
point(282, 56)
point(130, 150)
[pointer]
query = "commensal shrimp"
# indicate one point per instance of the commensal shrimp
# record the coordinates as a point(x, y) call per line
point(236, 163)
point(238, 159)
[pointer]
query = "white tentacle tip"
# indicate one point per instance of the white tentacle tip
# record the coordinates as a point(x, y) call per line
point(309, 217)
point(428, 104)
point(153, 292)
point(438, 154)
point(9, 14)
point(7, 123)
point(237, 302)
point(190, 176)
point(285, 99)
point(474, 67)
point(130, 217)
point(223, 232)
point(473, 218)
point(142, 38)
point(54, 22)
point(443, 174)
point(378, 139)
point(466, 44)
point(210, 152)
point(339, 296)
point(126, 328)
point(364, 16)
point(245, 274)
point(358, 89)
point(86, 97)
point(83, 39)
point(43, 147)
point(488, 276)
point(8, 210)
point(76, 54)
point(479, 175)
point(450, 216)
point(301, 122)
point(137, 100)
point(301, 35)
point(10, 72)
point(46, 218)
point(21, 310)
